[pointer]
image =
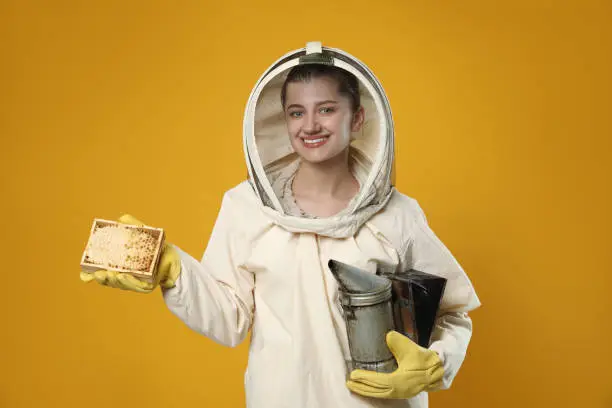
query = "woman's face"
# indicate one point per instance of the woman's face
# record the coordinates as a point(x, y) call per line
point(319, 119)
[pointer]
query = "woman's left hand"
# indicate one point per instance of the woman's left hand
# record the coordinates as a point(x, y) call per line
point(419, 369)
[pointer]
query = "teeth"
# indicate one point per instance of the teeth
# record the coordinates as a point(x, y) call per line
point(314, 141)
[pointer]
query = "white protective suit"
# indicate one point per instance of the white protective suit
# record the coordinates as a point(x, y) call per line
point(266, 270)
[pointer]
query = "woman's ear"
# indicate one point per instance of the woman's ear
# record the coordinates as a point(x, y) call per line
point(358, 118)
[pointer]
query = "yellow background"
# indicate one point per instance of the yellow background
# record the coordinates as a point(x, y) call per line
point(502, 114)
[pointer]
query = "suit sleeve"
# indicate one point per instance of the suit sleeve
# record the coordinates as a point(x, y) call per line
point(214, 296)
point(453, 330)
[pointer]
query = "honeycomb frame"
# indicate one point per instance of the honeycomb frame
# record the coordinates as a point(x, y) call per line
point(148, 274)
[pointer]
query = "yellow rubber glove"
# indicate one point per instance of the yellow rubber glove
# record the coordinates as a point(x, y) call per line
point(168, 270)
point(419, 369)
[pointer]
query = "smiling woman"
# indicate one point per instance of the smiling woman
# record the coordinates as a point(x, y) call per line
point(316, 193)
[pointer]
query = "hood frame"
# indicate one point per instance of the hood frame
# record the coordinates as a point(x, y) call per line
point(383, 161)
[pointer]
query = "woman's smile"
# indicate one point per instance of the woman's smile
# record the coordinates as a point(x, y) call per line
point(312, 142)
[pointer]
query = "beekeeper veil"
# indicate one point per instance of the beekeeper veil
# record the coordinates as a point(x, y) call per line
point(269, 152)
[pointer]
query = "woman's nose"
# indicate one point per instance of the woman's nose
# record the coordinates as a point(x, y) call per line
point(311, 124)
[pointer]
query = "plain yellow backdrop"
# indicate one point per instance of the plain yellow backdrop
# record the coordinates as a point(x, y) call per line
point(502, 114)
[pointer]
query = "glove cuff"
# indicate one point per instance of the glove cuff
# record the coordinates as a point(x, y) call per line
point(170, 267)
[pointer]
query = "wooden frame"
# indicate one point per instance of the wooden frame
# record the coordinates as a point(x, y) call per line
point(149, 274)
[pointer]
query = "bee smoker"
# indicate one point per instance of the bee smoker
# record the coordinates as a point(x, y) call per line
point(368, 314)
point(374, 304)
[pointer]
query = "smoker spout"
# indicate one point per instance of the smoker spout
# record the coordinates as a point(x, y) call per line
point(355, 280)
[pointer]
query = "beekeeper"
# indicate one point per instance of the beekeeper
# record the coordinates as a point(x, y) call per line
point(318, 141)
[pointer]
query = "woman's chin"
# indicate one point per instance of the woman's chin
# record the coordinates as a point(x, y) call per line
point(313, 156)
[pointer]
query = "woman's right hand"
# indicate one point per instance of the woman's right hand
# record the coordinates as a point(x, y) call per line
point(168, 270)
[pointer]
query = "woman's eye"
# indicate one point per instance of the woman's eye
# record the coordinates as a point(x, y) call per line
point(327, 110)
point(295, 114)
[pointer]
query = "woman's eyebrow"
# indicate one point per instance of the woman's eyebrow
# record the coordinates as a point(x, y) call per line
point(329, 101)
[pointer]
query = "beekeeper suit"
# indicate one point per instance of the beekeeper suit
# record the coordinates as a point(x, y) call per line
point(265, 268)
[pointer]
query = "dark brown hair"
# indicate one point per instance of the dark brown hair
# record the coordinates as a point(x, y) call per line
point(348, 85)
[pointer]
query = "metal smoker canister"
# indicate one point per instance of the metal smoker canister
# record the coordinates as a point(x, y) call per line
point(369, 317)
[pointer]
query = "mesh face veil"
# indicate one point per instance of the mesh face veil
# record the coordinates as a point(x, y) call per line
point(269, 153)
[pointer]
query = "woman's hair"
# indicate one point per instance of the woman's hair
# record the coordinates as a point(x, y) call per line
point(348, 85)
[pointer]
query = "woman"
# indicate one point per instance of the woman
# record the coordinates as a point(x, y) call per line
point(318, 141)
